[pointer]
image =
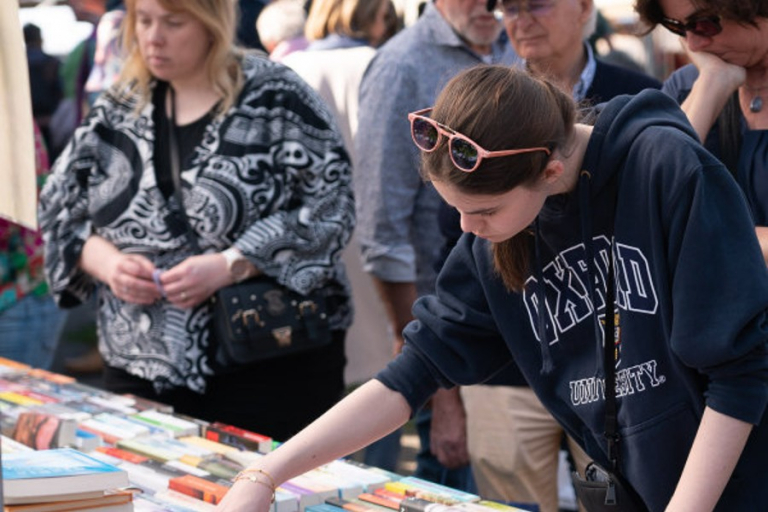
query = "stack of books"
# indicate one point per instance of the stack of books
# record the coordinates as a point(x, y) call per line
point(174, 463)
point(62, 480)
point(411, 494)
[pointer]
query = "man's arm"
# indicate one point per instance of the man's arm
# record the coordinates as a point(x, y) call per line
point(448, 430)
point(398, 299)
point(387, 185)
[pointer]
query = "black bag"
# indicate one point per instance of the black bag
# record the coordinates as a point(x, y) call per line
point(258, 319)
point(600, 491)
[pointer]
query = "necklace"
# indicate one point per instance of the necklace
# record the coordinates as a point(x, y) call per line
point(756, 103)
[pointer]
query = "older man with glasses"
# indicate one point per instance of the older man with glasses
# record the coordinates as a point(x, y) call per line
point(397, 211)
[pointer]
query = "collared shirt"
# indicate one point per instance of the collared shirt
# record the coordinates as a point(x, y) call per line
point(397, 210)
point(587, 76)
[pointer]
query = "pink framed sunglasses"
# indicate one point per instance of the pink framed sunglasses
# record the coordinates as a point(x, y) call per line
point(466, 154)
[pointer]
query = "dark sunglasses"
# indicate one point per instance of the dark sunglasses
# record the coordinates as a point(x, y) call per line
point(704, 26)
point(466, 154)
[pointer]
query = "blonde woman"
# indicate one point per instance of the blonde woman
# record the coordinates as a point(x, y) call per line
point(333, 24)
point(266, 187)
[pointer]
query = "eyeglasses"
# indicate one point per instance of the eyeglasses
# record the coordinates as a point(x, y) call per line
point(466, 154)
point(512, 8)
point(704, 26)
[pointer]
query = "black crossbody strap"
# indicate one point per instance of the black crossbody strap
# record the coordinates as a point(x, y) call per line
point(608, 336)
point(609, 367)
point(176, 173)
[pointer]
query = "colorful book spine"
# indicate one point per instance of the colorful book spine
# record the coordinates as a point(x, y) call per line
point(18, 399)
point(304, 496)
point(384, 501)
point(208, 444)
point(149, 448)
point(238, 437)
point(178, 426)
point(121, 454)
point(44, 431)
point(186, 502)
point(355, 505)
point(324, 507)
point(369, 480)
point(214, 465)
point(113, 403)
point(199, 488)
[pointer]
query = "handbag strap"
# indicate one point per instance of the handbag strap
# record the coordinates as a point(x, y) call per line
point(609, 366)
point(176, 173)
point(608, 337)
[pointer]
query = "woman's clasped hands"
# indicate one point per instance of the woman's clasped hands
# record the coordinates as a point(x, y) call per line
point(135, 279)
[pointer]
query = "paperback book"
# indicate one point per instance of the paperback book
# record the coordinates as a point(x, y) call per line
point(107, 499)
point(238, 437)
point(43, 431)
point(57, 475)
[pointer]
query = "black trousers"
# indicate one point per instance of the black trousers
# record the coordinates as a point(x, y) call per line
point(277, 397)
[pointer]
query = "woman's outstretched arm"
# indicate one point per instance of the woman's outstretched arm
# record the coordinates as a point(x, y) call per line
point(367, 414)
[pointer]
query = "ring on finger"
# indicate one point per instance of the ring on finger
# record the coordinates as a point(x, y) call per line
point(183, 295)
point(126, 290)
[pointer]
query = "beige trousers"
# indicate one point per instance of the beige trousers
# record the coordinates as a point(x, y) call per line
point(514, 445)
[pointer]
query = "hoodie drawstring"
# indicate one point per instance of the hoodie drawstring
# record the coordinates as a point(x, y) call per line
point(586, 234)
point(541, 296)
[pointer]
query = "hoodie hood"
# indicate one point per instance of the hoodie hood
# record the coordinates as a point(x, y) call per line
point(621, 121)
point(618, 125)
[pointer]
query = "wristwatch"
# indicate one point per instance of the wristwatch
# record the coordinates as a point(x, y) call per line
point(238, 265)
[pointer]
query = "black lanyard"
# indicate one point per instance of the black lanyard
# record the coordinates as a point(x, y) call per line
point(608, 335)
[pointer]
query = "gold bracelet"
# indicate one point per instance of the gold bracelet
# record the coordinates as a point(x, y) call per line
point(244, 475)
point(263, 472)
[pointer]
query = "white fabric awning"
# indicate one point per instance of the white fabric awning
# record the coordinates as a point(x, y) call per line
point(18, 193)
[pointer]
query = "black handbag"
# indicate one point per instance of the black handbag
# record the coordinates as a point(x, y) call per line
point(259, 319)
point(256, 319)
point(601, 490)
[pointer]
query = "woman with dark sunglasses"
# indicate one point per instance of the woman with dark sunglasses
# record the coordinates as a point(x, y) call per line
point(630, 218)
point(724, 92)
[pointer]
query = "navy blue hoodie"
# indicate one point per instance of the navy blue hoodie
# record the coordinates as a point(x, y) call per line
point(692, 295)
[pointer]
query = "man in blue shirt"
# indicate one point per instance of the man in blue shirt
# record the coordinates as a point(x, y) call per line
point(396, 210)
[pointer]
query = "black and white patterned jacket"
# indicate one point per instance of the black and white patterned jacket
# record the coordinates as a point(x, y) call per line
point(270, 177)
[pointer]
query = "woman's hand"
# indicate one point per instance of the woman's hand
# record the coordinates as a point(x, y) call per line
point(716, 82)
point(245, 496)
point(129, 276)
point(131, 279)
point(195, 279)
point(713, 68)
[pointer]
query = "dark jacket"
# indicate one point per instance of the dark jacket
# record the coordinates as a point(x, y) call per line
point(691, 300)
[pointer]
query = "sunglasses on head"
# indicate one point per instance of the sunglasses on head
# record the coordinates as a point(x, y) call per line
point(704, 26)
point(465, 153)
point(513, 8)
